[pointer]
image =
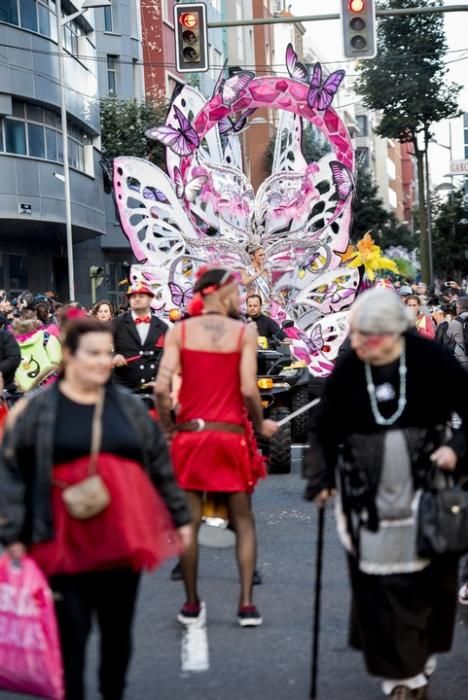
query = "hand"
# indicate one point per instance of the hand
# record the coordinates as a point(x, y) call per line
point(445, 458)
point(287, 341)
point(2, 383)
point(16, 551)
point(269, 428)
point(322, 498)
point(186, 536)
point(119, 361)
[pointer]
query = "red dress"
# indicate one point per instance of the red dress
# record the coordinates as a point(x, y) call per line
point(213, 460)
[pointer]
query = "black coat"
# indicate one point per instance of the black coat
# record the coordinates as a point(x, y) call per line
point(10, 357)
point(127, 343)
point(437, 386)
point(26, 462)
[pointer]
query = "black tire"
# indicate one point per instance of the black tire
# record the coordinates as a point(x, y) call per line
point(300, 425)
point(280, 445)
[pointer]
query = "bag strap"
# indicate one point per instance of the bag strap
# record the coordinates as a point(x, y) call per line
point(96, 432)
point(96, 440)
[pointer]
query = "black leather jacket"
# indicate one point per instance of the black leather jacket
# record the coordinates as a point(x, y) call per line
point(25, 488)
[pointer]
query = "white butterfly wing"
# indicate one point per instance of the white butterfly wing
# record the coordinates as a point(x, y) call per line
point(288, 153)
point(157, 231)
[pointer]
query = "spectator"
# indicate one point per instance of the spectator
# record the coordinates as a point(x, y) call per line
point(103, 311)
point(424, 322)
point(10, 357)
point(455, 332)
point(94, 563)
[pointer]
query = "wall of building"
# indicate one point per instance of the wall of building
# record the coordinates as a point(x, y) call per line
point(32, 211)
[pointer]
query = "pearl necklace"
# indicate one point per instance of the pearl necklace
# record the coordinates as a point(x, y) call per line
point(378, 417)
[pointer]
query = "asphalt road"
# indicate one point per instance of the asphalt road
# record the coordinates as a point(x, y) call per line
point(271, 662)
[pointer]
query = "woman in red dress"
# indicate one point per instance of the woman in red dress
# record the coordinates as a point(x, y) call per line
point(213, 445)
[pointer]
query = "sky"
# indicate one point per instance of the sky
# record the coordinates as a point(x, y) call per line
point(326, 37)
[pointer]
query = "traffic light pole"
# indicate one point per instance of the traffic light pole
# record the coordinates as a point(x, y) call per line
point(318, 18)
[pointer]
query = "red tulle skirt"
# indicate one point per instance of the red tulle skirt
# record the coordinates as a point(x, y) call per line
point(217, 461)
point(136, 529)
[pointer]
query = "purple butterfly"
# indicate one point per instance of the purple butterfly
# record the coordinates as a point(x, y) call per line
point(180, 297)
point(183, 140)
point(320, 96)
point(343, 179)
point(315, 342)
point(156, 195)
point(296, 69)
point(227, 125)
point(232, 88)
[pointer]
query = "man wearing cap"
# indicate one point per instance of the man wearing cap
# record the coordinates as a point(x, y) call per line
point(138, 340)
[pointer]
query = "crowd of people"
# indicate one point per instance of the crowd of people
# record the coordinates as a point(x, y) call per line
point(97, 491)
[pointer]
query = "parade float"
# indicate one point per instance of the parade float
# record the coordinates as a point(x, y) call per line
point(204, 210)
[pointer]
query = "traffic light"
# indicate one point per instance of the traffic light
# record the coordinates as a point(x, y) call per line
point(191, 37)
point(359, 28)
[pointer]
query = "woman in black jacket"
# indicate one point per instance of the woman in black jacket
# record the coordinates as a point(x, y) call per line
point(93, 552)
point(379, 433)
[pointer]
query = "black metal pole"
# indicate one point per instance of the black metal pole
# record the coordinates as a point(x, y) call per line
point(318, 595)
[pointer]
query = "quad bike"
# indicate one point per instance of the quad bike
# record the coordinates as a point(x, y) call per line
point(284, 388)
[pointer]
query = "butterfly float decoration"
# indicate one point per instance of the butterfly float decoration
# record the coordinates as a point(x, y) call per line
point(206, 211)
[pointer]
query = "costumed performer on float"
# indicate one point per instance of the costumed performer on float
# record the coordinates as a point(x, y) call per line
point(212, 442)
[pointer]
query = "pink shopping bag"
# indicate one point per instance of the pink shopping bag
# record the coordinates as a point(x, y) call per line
point(30, 659)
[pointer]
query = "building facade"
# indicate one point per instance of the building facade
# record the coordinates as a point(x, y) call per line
point(121, 76)
point(32, 210)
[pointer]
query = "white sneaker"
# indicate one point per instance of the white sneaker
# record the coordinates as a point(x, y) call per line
point(463, 594)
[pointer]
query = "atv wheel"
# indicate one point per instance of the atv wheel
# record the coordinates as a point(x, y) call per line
point(280, 445)
point(300, 425)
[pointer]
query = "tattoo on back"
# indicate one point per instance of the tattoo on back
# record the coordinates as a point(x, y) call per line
point(216, 328)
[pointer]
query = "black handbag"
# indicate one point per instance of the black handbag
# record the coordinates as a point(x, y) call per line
point(442, 518)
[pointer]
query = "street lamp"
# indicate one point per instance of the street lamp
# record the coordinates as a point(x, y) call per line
point(87, 5)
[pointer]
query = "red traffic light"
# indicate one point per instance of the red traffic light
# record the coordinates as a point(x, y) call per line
point(356, 5)
point(189, 19)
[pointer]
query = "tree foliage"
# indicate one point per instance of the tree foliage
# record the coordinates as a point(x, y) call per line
point(450, 236)
point(407, 84)
point(369, 214)
point(123, 126)
point(406, 81)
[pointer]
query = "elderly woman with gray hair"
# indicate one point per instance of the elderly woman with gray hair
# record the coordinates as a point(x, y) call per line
point(379, 431)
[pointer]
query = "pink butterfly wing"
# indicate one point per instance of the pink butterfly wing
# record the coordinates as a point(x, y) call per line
point(178, 182)
point(234, 86)
point(166, 134)
point(342, 179)
point(296, 69)
point(330, 87)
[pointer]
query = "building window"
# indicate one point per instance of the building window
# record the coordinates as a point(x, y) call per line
point(363, 125)
point(108, 20)
point(15, 137)
point(362, 157)
point(36, 132)
point(40, 16)
point(9, 11)
point(18, 277)
point(112, 66)
point(28, 13)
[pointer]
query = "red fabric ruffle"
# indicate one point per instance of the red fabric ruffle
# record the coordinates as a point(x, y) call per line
point(136, 529)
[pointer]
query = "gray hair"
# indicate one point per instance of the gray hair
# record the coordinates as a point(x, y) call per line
point(462, 303)
point(380, 310)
